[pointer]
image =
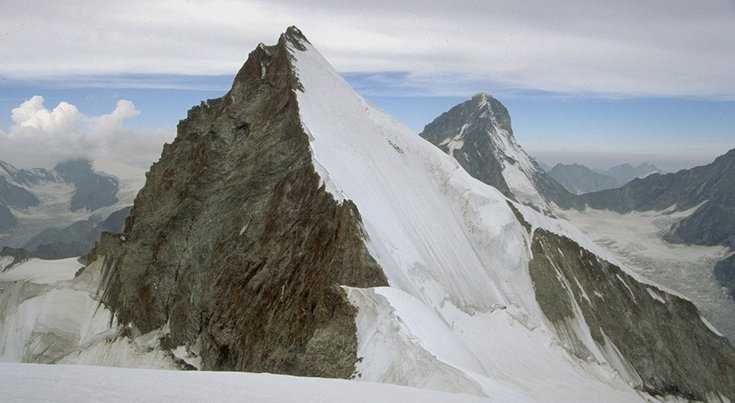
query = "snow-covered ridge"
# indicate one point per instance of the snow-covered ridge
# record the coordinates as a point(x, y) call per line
point(453, 253)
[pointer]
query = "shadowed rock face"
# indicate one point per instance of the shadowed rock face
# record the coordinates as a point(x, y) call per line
point(661, 335)
point(478, 134)
point(233, 242)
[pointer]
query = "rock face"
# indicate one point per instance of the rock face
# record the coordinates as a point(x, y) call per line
point(7, 219)
point(654, 331)
point(234, 244)
point(478, 134)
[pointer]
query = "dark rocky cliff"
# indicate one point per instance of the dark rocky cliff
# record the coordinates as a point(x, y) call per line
point(661, 336)
point(478, 134)
point(234, 244)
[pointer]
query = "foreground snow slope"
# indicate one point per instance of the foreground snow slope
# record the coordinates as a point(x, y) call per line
point(454, 254)
point(64, 383)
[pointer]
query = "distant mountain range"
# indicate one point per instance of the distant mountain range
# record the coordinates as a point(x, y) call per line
point(580, 179)
point(60, 212)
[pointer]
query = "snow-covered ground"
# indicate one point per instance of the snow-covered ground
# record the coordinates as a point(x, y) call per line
point(75, 383)
point(460, 312)
point(635, 239)
point(40, 271)
point(48, 315)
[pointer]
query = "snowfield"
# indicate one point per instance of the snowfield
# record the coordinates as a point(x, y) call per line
point(635, 239)
point(76, 383)
point(460, 313)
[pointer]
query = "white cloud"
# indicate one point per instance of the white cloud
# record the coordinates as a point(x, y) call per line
point(42, 137)
point(653, 47)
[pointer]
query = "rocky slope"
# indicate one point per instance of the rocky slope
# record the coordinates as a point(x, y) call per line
point(234, 244)
point(478, 134)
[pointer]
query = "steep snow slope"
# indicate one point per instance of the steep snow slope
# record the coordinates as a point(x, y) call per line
point(63, 383)
point(453, 252)
point(48, 315)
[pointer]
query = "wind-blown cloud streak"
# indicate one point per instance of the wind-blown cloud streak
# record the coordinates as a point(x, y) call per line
point(43, 137)
point(670, 48)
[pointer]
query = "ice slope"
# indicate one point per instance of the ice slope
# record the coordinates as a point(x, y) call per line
point(48, 315)
point(64, 383)
point(453, 252)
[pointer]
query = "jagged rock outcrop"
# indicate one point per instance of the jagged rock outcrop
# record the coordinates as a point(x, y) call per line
point(478, 134)
point(663, 337)
point(235, 245)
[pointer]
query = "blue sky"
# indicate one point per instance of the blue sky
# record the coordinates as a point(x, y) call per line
point(611, 82)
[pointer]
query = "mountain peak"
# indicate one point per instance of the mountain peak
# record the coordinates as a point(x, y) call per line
point(295, 37)
point(478, 134)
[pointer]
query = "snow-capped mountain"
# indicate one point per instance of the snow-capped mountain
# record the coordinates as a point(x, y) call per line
point(294, 228)
point(478, 134)
point(59, 212)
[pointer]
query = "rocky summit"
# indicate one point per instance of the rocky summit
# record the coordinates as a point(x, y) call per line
point(478, 134)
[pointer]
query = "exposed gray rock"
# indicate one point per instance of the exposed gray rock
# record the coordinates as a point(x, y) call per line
point(234, 244)
point(15, 196)
point(661, 335)
point(478, 134)
point(18, 255)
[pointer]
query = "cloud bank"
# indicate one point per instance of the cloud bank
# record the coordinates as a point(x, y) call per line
point(43, 137)
point(624, 48)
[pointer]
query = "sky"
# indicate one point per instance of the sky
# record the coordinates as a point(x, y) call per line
point(593, 82)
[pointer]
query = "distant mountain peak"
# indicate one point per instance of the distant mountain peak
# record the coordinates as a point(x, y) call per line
point(479, 135)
